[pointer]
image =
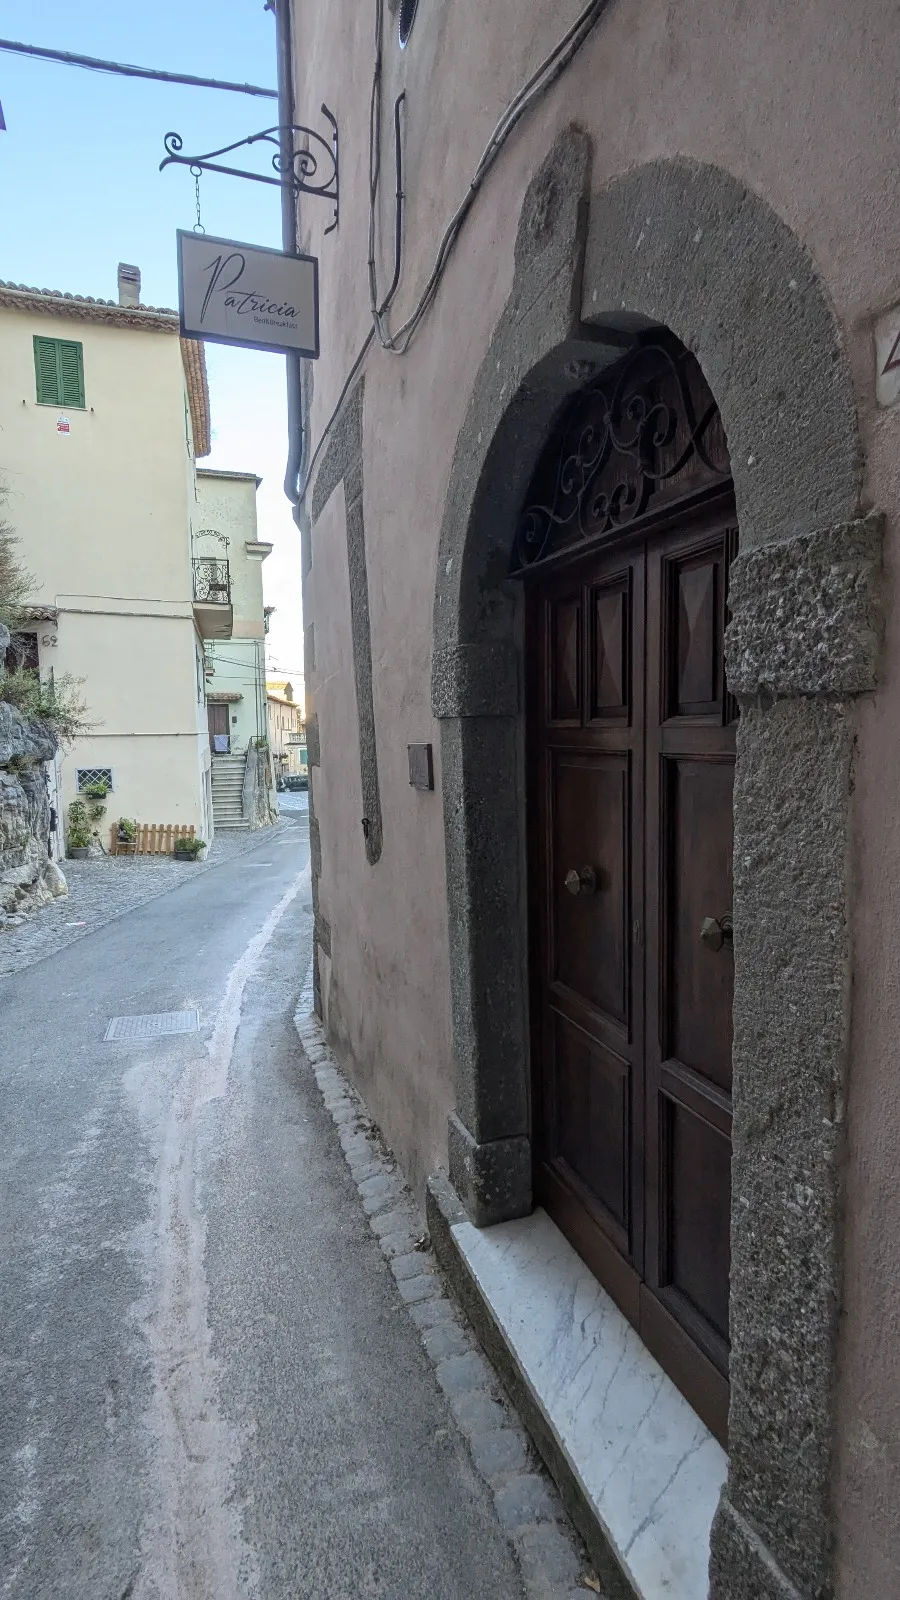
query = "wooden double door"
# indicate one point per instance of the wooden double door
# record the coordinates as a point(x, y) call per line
point(632, 736)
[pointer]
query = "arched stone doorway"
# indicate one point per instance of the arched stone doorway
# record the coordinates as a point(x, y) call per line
point(688, 248)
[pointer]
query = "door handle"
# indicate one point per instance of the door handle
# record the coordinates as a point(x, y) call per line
point(715, 931)
point(581, 881)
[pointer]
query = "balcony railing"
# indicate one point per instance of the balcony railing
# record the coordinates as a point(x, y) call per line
point(212, 581)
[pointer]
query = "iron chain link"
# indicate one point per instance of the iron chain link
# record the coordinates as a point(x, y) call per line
point(195, 174)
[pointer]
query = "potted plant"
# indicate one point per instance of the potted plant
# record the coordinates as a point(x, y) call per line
point(126, 836)
point(188, 847)
point(78, 831)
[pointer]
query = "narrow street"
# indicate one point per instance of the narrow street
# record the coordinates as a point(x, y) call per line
point(211, 1386)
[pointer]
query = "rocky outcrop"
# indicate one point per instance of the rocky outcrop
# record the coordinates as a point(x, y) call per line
point(28, 878)
point(257, 801)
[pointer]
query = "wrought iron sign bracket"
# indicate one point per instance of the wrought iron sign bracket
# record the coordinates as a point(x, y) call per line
point(305, 171)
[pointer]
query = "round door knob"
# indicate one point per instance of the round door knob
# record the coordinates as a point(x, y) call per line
point(714, 931)
point(583, 881)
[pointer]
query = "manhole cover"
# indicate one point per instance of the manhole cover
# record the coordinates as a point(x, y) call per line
point(153, 1026)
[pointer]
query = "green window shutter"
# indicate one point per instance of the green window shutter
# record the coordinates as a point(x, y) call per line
point(48, 391)
point(71, 373)
point(59, 370)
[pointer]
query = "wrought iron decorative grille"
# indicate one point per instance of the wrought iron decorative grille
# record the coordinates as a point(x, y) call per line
point(642, 435)
point(86, 776)
point(212, 581)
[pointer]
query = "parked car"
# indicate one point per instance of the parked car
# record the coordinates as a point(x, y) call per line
point(296, 780)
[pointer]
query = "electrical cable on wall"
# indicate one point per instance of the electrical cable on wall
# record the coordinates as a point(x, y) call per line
point(398, 343)
point(542, 79)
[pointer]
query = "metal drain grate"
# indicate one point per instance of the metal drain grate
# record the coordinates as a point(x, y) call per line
point(153, 1026)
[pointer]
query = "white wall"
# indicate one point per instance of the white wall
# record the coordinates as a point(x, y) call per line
point(103, 515)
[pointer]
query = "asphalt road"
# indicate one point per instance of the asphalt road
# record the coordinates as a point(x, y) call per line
point(209, 1386)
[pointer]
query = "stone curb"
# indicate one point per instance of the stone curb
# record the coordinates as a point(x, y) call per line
point(550, 1557)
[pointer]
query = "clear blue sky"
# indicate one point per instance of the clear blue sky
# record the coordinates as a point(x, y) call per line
point(80, 191)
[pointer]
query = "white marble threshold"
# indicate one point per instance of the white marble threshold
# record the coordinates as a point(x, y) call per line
point(649, 1466)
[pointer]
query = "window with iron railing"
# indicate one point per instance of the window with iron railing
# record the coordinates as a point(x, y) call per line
point(212, 581)
point(86, 777)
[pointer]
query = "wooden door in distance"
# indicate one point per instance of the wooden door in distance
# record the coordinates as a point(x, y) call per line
point(217, 720)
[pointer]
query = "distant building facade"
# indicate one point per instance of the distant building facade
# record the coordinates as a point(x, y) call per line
point(286, 729)
point(104, 411)
point(226, 531)
point(235, 669)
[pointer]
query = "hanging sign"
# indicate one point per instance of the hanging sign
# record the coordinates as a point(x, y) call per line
point(232, 293)
point(62, 424)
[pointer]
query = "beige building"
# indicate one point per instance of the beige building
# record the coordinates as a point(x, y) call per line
point(103, 413)
point(286, 729)
point(226, 538)
point(602, 522)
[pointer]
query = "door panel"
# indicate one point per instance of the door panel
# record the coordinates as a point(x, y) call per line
point(588, 795)
point(609, 685)
point(689, 742)
point(590, 807)
point(632, 737)
point(565, 676)
point(698, 1242)
point(592, 1136)
point(695, 868)
point(693, 668)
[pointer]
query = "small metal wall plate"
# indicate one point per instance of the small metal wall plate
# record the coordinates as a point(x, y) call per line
point(421, 766)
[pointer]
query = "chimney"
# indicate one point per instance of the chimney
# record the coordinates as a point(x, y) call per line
point(129, 285)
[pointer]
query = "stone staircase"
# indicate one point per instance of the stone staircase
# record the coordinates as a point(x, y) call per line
point(227, 788)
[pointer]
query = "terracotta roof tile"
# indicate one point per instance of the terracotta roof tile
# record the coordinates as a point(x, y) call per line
point(91, 309)
point(194, 358)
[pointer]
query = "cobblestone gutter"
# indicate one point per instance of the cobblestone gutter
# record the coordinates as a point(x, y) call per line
point(551, 1559)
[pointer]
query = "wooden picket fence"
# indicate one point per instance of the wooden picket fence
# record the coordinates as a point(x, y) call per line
point(153, 838)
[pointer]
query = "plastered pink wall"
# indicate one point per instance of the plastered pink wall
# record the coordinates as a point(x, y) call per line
point(801, 104)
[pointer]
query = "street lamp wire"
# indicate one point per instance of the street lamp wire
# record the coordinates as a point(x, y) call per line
point(66, 58)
